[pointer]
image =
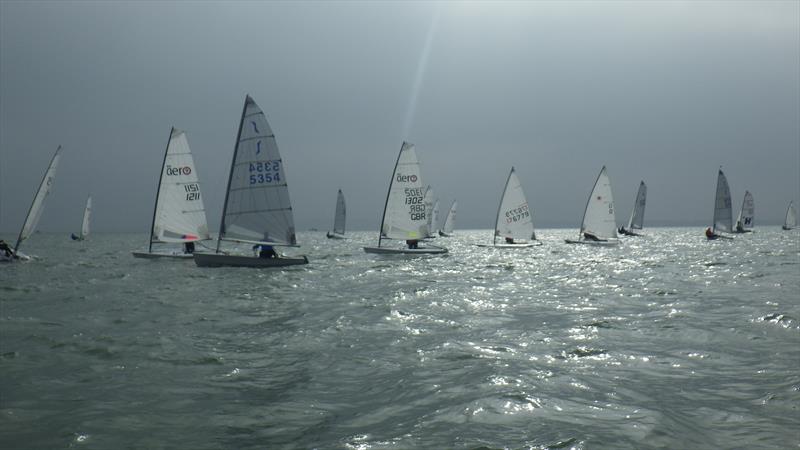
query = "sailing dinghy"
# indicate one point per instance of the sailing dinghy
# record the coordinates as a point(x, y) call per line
point(449, 221)
point(791, 217)
point(404, 214)
point(338, 220)
point(723, 213)
point(179, 216)
point(87, 212)
point(744, 224)
point(599, 225)
point(35, 211)
point(514, 222)
point(257, 210)
point(434, 218)
point(636, 222)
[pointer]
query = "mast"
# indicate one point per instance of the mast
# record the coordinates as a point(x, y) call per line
point(158, 190)
point(27, 217)
point(247, 101)
point(391, 181)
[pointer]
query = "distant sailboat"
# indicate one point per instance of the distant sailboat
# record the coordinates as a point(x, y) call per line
point(514, 219)
point(179, 216)
point(636, 221)
point(257, 209)
point(433, 219)
point(791, 217)
point(723, 212)
point(744, 224)
point(404, 213)
point(599, 225)
point(449, 221)
point(35, 211)
point(339, 218)
point(85, 224)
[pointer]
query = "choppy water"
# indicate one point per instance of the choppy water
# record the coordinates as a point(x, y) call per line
point(668, 341)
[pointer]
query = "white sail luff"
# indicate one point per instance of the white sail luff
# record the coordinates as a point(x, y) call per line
point(179, 214)
point(636, 221)
point(514, 217)
point(257, 207)
point(87, 212)
point(745, 221)
point(599, 216)
point(339, 218)
point(723, 213)
point(37, 206)
point(404, 215)
point(450, 220)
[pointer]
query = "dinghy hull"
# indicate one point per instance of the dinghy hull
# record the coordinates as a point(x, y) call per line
point(525, 245)
point(154, 255)
point(334, 236)
point(597, 243)
point(405, 251)
point(221, 260)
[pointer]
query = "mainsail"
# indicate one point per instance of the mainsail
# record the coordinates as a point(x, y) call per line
point(598, 218)
point(791, 217)
point(37, 206)
point(339, 219)
point(404, 215)
point(86, 216)
point(428, 200)
point(450, 220)
point(257, 207)
point(434, 217)
point(637, 215)
point(723, 214)
point(514, 217)
point(179, 215)
point(747, 213)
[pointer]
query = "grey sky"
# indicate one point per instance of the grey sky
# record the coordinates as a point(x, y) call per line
point(661, 91)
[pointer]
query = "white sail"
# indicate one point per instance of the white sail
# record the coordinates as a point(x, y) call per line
point(179, 215)
point(723, 213)
point(637, 215)
point(747, 213)
point(450, 220)
point(434, 217)
point(428, 200)
point(514, 217)
point(598, 218)
point(339, 219)
point(404, 215)
point(37, 206)
point(791, 217)
point(257, 208)
point(86, 216)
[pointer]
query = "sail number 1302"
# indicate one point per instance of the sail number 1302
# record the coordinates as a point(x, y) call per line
point(265, 172)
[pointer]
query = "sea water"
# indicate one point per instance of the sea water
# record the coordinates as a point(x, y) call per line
point(666, 341)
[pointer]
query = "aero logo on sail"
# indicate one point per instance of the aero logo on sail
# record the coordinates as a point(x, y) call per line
point(186, 170)
point(406, 178)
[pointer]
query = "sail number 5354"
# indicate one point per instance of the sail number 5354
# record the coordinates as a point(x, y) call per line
point(265, 172)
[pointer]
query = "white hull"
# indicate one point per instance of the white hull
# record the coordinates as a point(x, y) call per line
point(20, 257)
point(335, 236)
point(525, 245)
point(405, 251)
point(609, 243)
point(221, 260)
point(156, 255)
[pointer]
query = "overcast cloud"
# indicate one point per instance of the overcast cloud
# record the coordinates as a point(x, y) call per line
point(660, 91)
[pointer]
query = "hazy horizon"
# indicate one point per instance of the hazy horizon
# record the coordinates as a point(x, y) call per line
point(665, 92)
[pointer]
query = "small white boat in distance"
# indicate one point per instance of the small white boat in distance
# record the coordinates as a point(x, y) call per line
point(636, 221)
point(87, 212)
point(257, 210)
point(433, 220)
point(338, 219)
point(35, 211)
point(449, 221)
point(514, 220)
point(744, 224)
point(723, 211)
point(179, 216)
point(791, 217)
point(404, 214)
point(599, 225)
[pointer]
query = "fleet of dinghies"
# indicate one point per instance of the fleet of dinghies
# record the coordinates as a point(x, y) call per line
point(599, 225)
point(514, 220)
point(338, 219)
point(35, 211)
point(87, 212)
point(404, 213)
point(179, 216)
